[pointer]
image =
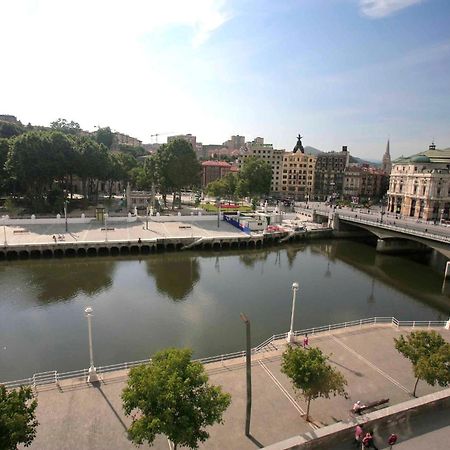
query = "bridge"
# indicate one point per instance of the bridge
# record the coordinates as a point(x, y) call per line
point(394, 234)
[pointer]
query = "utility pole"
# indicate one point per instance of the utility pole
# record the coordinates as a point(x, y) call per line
point(248, 359)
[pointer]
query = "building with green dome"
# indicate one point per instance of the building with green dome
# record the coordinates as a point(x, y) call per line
point(419, 185)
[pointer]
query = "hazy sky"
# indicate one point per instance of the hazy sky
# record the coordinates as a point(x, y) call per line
point(342, 72)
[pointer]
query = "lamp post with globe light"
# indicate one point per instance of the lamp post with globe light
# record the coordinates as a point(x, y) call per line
point(290, 335)
point(92, 374)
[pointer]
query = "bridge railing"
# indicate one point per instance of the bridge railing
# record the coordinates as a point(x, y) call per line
point(54, 377)
point(424, 234)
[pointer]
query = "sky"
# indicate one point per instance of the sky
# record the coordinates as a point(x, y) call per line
point(340, 72)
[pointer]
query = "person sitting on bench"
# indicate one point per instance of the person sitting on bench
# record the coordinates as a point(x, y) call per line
point(357, 407)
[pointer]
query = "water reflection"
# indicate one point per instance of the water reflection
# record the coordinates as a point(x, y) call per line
point(62, 280)
point(175, 274)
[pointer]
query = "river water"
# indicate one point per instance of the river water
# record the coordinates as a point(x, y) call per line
point(194, 299)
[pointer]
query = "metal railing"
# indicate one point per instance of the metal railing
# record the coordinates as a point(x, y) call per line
point(53, 377)
point(410, 231)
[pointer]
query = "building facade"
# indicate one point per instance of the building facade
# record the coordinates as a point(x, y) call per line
point(214, 170)
point(419, 185)
point(329, 174)
point(258, 149)
point(298, 175)
point(364, 183)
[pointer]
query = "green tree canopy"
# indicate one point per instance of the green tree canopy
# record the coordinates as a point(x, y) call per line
point(105, 136)
point(172, 396)
point(225, 187)
point(311, 374)
point(9, 129)
point(17, 417)
point(4, 149)
point(429, 354)
point(66, 127)
point(254, 178)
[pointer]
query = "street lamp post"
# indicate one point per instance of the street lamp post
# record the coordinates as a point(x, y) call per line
point(65, 214)
point(218, 212)
point(106, 226)
point(290, 336)
point(92, 374)
point(4, 234)
point(248, 373)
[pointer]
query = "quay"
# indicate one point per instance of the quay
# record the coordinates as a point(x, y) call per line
point(74, 414)
point(47, 238)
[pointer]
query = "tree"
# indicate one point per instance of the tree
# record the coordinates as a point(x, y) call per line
point(66, 127)
point(429, 354)
point(32, 165)
point(254, 178)
point(311, 374)
point(105, 136)
point(177, 167)
point(9, 129)
point(17, 417)
point(171, 396)
point(4, 149)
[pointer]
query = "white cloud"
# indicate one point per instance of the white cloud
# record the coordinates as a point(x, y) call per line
point(382, 8)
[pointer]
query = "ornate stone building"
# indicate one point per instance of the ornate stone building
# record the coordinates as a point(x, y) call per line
point(419, 185)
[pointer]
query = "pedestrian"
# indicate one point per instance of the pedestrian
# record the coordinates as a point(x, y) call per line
point(305, 341)
point(139, 241)
point(392, 440)
point(358, 435)
point(368, 441)
point(357, 407)
point(54, 238)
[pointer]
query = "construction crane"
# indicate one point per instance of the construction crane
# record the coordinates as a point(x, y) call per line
point(159, 134)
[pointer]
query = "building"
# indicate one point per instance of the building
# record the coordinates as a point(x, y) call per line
point(419, 185)
point(298, 175)
point(120, 139)
point(386, 165)
point(235, 143)
point(214, 170)
point(329, 174)
point(364, 183)
point(258, 149)
point(187, 137)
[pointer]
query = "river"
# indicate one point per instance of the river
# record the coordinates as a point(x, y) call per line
point(193, 299)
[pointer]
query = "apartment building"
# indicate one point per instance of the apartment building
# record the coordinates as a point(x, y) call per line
point(329, 174)
point(298, 175)
point(257, 148)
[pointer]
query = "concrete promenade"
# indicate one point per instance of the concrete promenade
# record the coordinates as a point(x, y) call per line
point(80, 416)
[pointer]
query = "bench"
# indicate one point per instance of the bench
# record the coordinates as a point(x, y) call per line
point(184, 226)
point(20, 231)
point(370, 405)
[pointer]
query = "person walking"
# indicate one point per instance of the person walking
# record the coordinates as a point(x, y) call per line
point(305, 341)
point(358, 436)
point(368, 441)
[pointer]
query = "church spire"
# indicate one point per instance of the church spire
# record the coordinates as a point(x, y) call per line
point(386, 164)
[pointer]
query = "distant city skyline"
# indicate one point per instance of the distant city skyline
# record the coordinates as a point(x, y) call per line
point(341, 72)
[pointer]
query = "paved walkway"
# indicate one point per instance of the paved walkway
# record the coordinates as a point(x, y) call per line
point(79, 416)
point(117, 231)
